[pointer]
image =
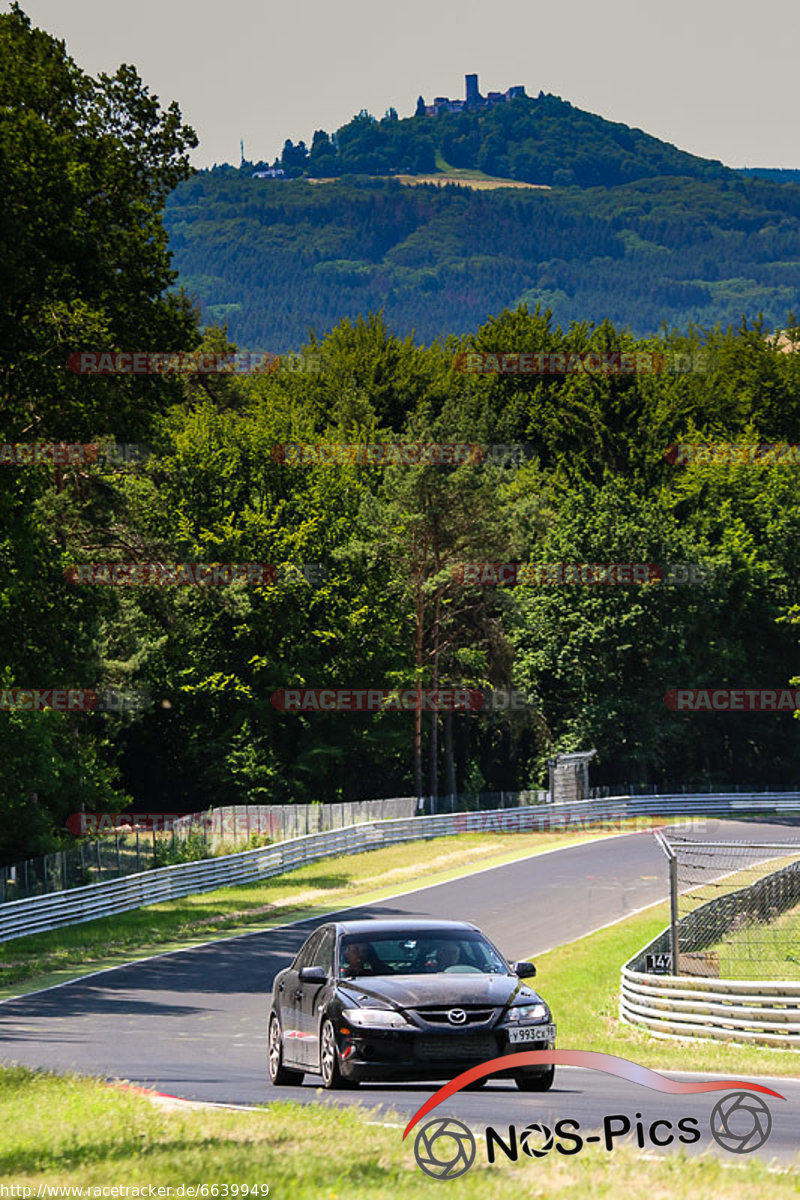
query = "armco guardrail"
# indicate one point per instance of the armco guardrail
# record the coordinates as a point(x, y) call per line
point(21, 917)
point(765, 805)
point(739, 1010)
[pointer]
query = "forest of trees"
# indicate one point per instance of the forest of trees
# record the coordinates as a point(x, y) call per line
point(99, 160)
point(275, 259)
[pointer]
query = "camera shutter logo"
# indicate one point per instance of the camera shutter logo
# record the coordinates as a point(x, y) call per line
point(530, 1134)
point(456, 1016)
point(741, 1122)
point(444, 1148)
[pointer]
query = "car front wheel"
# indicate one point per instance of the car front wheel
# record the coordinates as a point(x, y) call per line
point(329, 1059)
point(278, 1073)
point(536, 1083)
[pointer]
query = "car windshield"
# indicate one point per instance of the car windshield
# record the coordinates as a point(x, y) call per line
point(415, 953)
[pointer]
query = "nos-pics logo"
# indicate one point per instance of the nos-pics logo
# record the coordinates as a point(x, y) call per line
point(446, 1148)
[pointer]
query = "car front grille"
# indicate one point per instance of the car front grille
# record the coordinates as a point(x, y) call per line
point(439, 1015)
point(439, 1049)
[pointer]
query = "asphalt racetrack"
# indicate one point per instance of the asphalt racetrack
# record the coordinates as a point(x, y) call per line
point(192, 1023)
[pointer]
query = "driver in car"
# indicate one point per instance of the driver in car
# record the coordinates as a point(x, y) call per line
point(360, 959)
point(448, 955)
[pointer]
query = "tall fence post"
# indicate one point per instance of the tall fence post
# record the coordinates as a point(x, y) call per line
point(673, 912)
point(672, 859)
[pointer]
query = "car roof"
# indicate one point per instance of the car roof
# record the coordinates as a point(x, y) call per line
point(409, 924)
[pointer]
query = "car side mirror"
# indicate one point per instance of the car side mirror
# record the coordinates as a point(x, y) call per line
point(525, 970)
point(313, 975)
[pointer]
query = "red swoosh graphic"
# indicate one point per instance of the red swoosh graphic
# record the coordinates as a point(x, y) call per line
point(591, 1059)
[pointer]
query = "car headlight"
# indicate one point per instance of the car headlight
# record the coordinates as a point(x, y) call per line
point(528, 1012)
point(376, 1018)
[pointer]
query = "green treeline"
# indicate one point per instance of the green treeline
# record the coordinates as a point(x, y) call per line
point(95, 160)
point(545, 140)
point(274, 259)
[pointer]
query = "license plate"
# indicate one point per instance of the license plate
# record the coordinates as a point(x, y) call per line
point(533, 1033)
point(454, 1048)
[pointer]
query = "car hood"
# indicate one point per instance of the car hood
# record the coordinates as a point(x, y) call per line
point(413, 991)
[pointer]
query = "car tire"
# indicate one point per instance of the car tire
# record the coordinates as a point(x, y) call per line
point(329, 1058)
point(279, 1074)
point(536, 1083)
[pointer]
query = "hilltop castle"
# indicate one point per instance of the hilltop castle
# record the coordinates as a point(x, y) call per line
point(473, 100)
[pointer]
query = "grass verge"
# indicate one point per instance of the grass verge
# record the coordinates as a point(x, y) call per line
point(762, 950)
point(82, 1133)
point(43, 959)
point(580, 982)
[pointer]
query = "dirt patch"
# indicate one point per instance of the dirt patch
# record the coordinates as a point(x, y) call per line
point(441, 180)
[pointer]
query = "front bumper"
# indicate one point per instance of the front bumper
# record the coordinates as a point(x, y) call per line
point(397, 1054)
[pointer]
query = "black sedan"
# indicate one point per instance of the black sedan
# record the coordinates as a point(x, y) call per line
point(403, 999)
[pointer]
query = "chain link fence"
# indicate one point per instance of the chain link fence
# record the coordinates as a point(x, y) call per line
point(236, 825)
point(735, 910)
point(86, 862)
point(126, 847)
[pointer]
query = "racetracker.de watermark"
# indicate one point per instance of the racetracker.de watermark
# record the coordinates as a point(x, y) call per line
point(589, 362)
point(732, 699)
point(104, 699)
point(777, 454)
point(217, 823)
point(68, 454)
point(185, 362)
point(375, 700)
point(188, 574)
point(586, 362)
point(542, 817)
point(244, 822)
point(438, 454)
point(99, 823)
point(588, 574)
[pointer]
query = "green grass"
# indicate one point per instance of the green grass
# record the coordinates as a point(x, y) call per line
point(82, 1133)
point(458, 172)
point(40, 960)
point(762, 951)
point(580, 982)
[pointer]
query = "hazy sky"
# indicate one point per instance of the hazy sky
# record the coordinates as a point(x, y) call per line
point(716, 77)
